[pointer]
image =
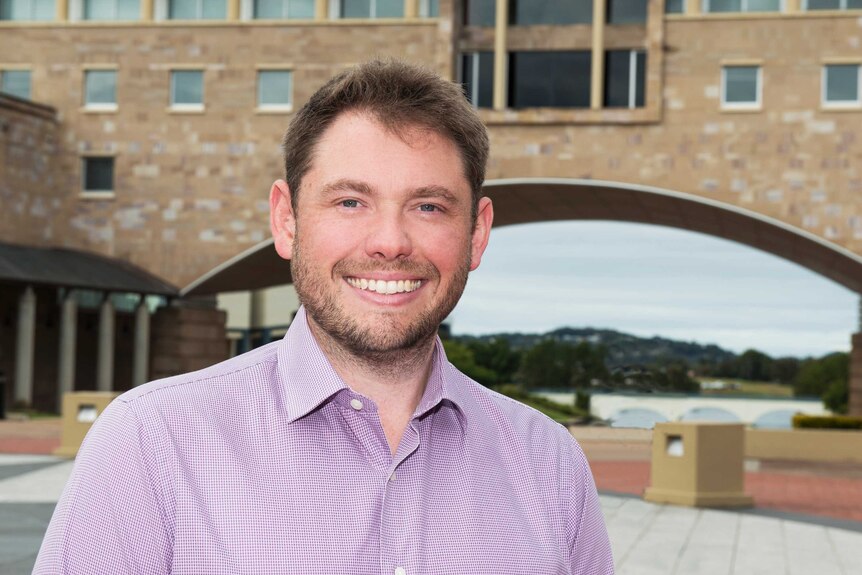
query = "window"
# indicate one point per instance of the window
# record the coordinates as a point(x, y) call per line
point(283, 9)
point(625, 72)
point(741, 5)
point(832, 5)
point(627, 11)
point(429, 8)
point(740, 87)
point(98, 176)
point(274, 89)
point(841, 85)
point(477, 77)
point(27, 10)
point(15, 83)
point(674, 6)
point(187, 89)
point(366, 8)
point(197, 9)
point(549, 79)
point(480, 12)
point(100, 89)
point(532, 12)
point(111, 10)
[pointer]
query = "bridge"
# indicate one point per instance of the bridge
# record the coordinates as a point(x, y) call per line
point(642, 409)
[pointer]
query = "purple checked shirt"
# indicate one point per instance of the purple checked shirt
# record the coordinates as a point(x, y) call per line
point(269, 463)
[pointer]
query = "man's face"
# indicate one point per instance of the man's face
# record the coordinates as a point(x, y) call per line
point(383, 239)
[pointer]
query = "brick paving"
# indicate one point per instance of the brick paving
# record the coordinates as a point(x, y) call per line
point(37, 437)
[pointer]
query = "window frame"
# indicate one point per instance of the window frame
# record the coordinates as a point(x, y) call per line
point(78, 12)
point(247, 12)
point(335, 12)
point(99, 106)
point(31, 14)
point(162, 12)
point(273, 108)
point(186, 108)
point(6, 69)
point(743, 8)
point(757, 105)
point(95, 194)
point(842, 7)
point(473, 96)
point(633, 84)
point(841, 104)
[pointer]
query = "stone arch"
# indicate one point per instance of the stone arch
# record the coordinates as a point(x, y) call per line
point(718, 414)
point(531, 200)
point(639, 417)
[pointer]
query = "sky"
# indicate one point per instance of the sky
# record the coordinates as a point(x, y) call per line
point(650, 280)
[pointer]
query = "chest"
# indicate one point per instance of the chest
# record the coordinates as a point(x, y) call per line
point(337, 505)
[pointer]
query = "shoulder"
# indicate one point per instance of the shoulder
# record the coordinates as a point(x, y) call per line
point(511, 421)
point(237, 375)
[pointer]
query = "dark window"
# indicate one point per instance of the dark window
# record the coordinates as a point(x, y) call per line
point(625, 71)
point(530, 12)
point(479, 12)
point(627, 11)
point(549, 79)
point(477, 76)
point(98, 174)
point(674, 6)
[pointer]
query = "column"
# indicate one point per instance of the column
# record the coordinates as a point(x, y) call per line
point(692, 7)
point(105, 367)
point(147, 10)
point(233, 10)
point(61, 11)
point(597, 81)
point(68, 338)
point(25, 347)
point(140, 371)
point(501, 55)
point(321, 9)
point(411, 8)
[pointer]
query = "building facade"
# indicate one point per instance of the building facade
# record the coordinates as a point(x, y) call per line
point(159, 121)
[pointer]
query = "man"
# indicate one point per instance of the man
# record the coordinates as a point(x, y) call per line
point(351, 446)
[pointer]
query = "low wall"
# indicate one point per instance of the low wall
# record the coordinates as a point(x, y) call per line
point(804, 445)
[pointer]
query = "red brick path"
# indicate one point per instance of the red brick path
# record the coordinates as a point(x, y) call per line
point(811, 492)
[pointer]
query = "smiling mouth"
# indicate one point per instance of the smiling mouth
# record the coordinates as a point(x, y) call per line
point(386, 287)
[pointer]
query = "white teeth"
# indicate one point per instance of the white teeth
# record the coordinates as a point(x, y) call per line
point(385, 287)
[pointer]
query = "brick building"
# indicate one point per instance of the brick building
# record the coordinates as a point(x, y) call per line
point(147, 132)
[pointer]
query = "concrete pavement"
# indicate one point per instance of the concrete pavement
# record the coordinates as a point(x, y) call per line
point(647, 538)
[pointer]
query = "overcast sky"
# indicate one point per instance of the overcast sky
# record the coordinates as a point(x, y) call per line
point(650, 280)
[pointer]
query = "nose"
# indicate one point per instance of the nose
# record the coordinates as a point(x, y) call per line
point(389, 238)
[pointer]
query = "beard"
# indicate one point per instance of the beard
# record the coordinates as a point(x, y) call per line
point(379, 336)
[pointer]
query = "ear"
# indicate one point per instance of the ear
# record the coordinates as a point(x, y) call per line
point(481, 232)
point(282, 220)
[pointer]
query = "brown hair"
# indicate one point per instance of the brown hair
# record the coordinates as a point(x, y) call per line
point(399, 96)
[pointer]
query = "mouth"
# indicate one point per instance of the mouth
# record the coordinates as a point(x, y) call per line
point(385, 287)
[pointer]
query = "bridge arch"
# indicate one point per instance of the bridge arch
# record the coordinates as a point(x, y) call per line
point(532, 200)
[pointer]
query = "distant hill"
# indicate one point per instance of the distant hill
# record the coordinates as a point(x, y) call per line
point(622, 349)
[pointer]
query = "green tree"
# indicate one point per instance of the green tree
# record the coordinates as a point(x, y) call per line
point(462, 357)
point(827, 378)
point(498, 356)
point(551, 363)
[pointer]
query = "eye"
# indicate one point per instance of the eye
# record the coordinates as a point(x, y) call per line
point(350, 203)
point(428, 208)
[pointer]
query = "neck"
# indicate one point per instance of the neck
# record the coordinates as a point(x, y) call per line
point(395, 380)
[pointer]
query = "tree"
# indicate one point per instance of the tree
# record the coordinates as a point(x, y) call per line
point(551, 363)
point(826, 378)
point(461, 357)
point(498, 356)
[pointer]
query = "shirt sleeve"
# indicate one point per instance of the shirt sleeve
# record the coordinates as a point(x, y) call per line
point(589, 545)
point(110, 518)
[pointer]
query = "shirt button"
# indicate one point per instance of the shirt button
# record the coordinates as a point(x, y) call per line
point(356, 404)
point(400, 571)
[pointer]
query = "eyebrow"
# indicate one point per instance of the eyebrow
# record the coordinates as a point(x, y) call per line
point(346, 184)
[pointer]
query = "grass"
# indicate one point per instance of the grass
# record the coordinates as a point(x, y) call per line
point(559, 412)
point(747, 387)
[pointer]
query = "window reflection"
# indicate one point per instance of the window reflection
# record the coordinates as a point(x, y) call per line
point(549, 79)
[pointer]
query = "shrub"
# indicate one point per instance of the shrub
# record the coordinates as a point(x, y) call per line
point(801, 421)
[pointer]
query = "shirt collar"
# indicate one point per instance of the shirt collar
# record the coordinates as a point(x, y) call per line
point(309, 380)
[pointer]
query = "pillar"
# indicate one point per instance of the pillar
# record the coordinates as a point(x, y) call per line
point(61, 10)
point(411, 8)
point(321, 9)
point(233, 10)
point(692, 7)
point(68, 338)
point(597, 80)
point(147, 10)
point(142, 343)
point(501, 55)
point(105, 367)
point(25, 347)
point(854, 403)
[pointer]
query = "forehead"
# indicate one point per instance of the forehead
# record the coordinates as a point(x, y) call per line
point(355, 145)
